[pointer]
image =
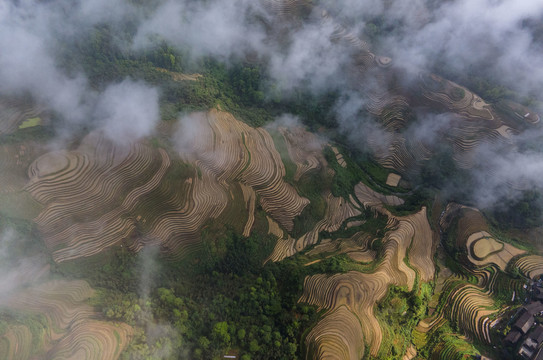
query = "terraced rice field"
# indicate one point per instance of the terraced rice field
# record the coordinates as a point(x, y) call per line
point(359, 292)
point(387, 104)
point(142, 194)
point(110, 180)
point(470, 221)
point(456, 349)
point(249, 197)
point(466, 299)
point(398, 156)
point(473, 234)
point(16, 343)
point(389, 108)
point(483, 249)
point(357, 247)
point(393, 179)
point(520, 113)
point(338, 210)
point(304, 148)
point(233, 151)
point(71, 330)
point(470, 307)
point(410, 354)
point(451, 212)
point(344, 340)
point(411, 234)
point(454, 97)
point(340, 34)
point(274, 228)
point(467, 128)
point(339, 157)
point(531, 266)
point(371, 198)
point(485, 246)
point(92, 339)
point(421, 247)
point(472, 122)
point(285, 7)
point(14, 112)
point(466, 305)
point(356, 292)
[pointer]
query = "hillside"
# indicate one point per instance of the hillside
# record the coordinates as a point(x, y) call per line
point(287, 179)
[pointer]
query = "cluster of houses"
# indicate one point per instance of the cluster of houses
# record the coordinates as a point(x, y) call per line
point(526, 335)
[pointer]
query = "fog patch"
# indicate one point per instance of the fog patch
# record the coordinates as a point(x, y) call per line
point(215, 28)
point(17, 269)
point(191, 128)
point(128, 111)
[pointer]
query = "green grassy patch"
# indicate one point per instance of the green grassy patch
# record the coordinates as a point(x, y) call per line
point(358, 169)
point(345, 178)
point(457, 93)
point(503, 287)
point(19, 205)
point(375, 175)
point(413, 203)
point(31, 122)
point(444, 344)
point(312, 186)
point(398, 313)
point(236, 213)
point(503, 235)
point(374, 224)
point(36, 133)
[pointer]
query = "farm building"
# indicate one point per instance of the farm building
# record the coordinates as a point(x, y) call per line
point(535, 308)
point(512, 337)
point(524, 322)
point(537, 334)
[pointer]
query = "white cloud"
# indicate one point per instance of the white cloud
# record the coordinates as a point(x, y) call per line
point(128, 111)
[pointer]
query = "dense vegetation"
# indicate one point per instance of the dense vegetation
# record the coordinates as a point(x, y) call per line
point(400, 311)
point(522, 212)
point(221, 300)
point(239, 87)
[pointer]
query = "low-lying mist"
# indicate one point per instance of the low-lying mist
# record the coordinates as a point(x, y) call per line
point(297, 49)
